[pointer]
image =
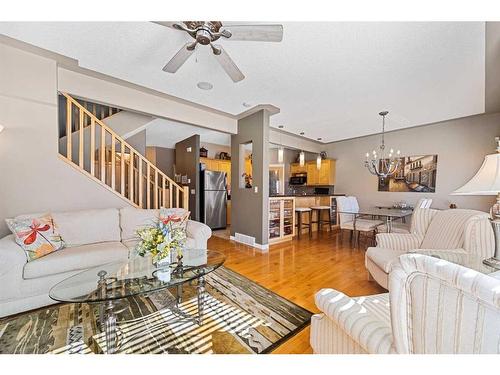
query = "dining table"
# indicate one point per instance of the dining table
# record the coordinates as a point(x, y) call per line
point(388, 215)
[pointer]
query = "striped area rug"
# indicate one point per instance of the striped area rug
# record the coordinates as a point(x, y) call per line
point(239, 317)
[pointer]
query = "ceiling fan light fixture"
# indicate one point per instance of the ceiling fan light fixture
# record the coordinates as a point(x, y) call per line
point(207, 32)
point(205, 85)
point(247, 105)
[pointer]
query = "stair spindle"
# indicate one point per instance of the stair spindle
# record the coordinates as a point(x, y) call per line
point(92, 147)
point(80, 138)
point(69, 130)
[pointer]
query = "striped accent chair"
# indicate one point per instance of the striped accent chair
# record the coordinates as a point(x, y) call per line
point(434, 307)
point(451, 231)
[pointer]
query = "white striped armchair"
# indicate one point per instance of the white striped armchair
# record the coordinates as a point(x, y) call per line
point(451, 231)
point(434, 307)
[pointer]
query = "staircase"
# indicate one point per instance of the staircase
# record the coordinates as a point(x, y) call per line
point(89, 145)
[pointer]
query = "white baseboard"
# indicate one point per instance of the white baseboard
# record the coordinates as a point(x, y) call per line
point(255, 245)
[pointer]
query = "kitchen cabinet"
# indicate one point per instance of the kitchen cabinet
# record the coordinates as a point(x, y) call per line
point(218, 165)
point(297, 168)
point(324, 176)
point(281, 219)
point(312, 173)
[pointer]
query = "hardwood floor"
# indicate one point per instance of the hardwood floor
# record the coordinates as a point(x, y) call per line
point(297, 269)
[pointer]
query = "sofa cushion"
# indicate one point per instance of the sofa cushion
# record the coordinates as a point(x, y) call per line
point(37, 235)
point(447, 229)
point(88, 226)
point(363, 225)
point(76, 258)
point(383, 258)
point(132, 219)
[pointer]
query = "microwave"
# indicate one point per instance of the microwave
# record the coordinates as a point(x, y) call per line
point(298, 180)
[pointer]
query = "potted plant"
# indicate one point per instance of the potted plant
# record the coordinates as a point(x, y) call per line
point(164, 239)
point(248, 180)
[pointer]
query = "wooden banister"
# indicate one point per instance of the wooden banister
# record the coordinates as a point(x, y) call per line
point(130, 182)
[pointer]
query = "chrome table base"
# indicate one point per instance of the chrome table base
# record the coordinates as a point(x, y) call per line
point(109, 310)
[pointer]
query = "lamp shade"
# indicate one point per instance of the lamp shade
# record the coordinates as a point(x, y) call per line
point(487, 179)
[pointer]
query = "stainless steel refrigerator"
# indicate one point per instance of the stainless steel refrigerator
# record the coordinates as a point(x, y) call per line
point(213, 199)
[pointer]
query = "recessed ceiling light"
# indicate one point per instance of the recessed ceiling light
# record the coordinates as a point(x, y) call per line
point(319, 139)
point(205, 85)
point(245, 104)
point(281, 126)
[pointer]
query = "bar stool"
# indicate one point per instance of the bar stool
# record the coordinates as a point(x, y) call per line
point(320, 221)
point(298, 212)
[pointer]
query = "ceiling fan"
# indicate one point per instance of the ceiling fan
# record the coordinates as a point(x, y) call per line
point(207, 32)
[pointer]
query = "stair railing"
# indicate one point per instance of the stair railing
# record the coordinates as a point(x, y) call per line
point(104, 156)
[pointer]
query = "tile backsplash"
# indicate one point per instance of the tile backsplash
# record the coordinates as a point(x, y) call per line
point(294, 189)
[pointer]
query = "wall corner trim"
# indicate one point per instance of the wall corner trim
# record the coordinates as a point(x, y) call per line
point(273, 110)
point(263, 248)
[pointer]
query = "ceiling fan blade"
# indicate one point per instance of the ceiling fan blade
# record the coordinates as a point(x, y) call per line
point(167, 23)
point(261, 33)
point(179, 58)
point(228, 64)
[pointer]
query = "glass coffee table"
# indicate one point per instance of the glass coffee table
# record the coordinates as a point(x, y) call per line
point(111, 284)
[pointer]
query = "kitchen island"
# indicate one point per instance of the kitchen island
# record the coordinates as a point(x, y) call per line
point(282, 213)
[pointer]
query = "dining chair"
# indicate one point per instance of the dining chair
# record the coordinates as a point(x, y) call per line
point(403, 227)
point(348, 208)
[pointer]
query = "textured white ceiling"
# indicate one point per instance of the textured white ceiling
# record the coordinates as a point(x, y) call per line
point(165, 133)
point(329, 79)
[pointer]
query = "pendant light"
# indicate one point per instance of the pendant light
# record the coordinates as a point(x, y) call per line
point(302, 156)
point(318, 158)
point(280, 149)
point(379, 164)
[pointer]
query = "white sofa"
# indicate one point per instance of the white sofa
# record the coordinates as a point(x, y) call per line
point(92, 238)
point(433, 307)
point(452, 231)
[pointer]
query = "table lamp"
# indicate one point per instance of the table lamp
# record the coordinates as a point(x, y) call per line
point(487, 182)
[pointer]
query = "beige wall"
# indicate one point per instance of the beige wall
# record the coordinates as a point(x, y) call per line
point(135, 100)
point(214, 149)
point(250, 208)
point(460, 145)
point(33, 177)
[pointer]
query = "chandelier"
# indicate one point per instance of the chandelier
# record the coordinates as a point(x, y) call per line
point(377, 163)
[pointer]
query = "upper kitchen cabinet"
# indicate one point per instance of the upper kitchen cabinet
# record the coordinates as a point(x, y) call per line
point(218, 165)
point(312, 173)
point(326, 175)
point(297, 168)
point(323, 176)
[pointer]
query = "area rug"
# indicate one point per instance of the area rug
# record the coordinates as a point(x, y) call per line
point(240, 317)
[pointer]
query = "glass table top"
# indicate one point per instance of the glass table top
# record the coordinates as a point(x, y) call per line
point(374, 211)
point(137, 276)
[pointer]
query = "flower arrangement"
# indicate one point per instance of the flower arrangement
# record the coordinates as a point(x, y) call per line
point(161, 239)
